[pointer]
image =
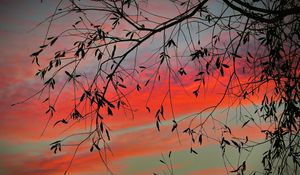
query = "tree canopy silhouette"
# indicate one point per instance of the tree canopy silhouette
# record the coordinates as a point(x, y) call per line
point(249, 48)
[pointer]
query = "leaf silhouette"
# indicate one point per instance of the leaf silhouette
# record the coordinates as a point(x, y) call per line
point(109, 111)
point(53, 41)
point(60, 121)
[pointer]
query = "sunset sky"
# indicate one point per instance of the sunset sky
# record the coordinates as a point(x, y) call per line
point(137, 146)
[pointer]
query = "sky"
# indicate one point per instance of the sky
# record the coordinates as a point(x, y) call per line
point(137, 146)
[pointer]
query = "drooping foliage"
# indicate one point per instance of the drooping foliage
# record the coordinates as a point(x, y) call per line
point(112, 49)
